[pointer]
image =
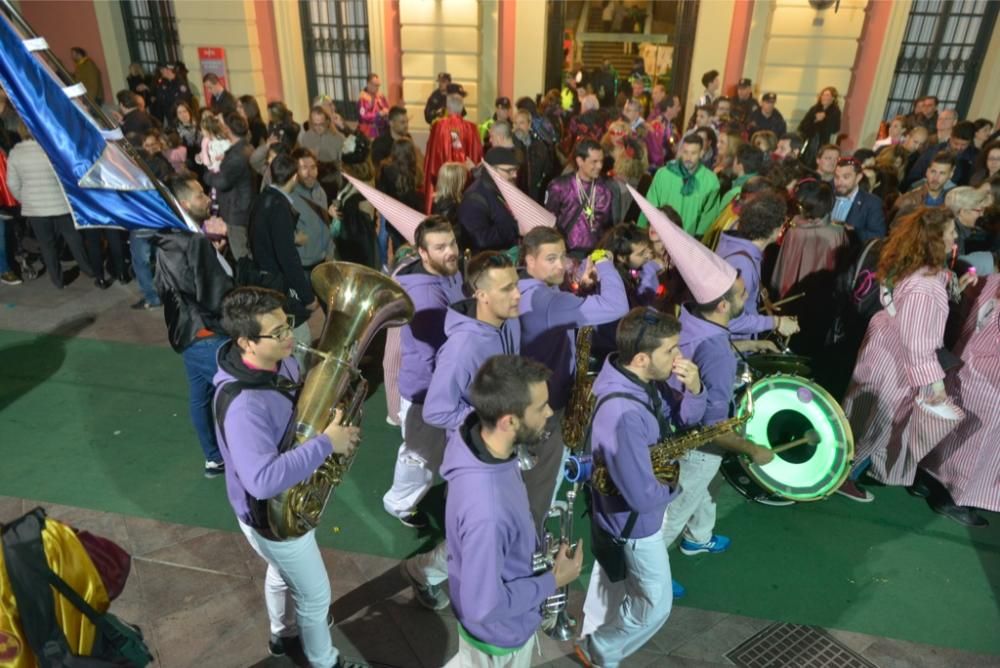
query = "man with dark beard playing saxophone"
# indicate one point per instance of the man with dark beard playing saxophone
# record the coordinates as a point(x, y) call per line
point(630, 594)
point(720, 296)
point(251, 422)
point(496, 592)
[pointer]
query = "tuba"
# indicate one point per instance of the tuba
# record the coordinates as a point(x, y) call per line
point(360, 302)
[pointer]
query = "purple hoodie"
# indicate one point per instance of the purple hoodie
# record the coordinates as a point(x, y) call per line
point(549, 318)
point(707, 345)
point(422, 336)
point(622, 433)
point(491, 538)
point(735, 250)
point(254, 426)
point(469, 343)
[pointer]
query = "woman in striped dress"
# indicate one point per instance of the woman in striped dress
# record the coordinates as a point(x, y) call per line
point(896, 403)
point(968, 460)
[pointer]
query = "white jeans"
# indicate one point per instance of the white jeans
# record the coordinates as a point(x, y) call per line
point(296, 575)
point(470, 657)
point(621, 617)
point(417, 461)
point(693, 511)
point(429, 568)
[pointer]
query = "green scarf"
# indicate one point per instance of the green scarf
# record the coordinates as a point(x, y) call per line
point(689, 184)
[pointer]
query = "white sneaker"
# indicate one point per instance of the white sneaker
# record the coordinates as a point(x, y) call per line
point(214, 469)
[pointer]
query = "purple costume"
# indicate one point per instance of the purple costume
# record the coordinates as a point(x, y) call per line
point(746, 259)
point(584, 212)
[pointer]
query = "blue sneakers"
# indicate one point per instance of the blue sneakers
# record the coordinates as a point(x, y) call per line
point(679, 590)
point(715, 545)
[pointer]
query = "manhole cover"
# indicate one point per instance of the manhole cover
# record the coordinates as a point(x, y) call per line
point(786, 645)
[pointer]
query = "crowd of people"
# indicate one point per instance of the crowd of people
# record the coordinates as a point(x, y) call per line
point(579, 208)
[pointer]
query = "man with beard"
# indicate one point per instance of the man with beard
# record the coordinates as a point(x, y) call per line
point(583, 202)
point(688, 186)
point(789, 146)
point(399, 128)
point(191, 279)
point(537, 163)
point(433, 282)
point(487, 223)
point(314, 241)
point(937, 183)
point(550, 318)
point(720, 296)
point(496, 593)
point(475, 329)
point(859, 211)
point(630, 594)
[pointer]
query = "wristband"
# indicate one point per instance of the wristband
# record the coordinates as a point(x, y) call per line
point(598, 255)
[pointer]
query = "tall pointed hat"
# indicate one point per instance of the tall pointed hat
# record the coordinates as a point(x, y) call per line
point(707, 275)
point(402, 217)
point(528, 213)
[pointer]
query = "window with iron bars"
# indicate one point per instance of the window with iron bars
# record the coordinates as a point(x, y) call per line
point(151, 32)
point(335, 39)
point(941, 55)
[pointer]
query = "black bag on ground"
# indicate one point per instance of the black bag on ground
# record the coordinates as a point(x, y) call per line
point(116, 643)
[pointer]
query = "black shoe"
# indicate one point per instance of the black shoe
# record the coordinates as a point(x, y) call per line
point(918, 489)
point(124, 278)
point(415, 520)
point(70, 275)
point(349, 664)
point(962, 514)
point(102, 283)
point(278, 645)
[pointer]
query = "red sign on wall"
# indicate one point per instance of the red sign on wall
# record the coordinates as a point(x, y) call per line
point(213, 61)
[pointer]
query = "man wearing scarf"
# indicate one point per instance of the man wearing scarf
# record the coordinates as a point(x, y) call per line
point(688, 186)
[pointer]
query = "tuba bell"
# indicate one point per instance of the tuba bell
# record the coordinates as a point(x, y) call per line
point(360, 302)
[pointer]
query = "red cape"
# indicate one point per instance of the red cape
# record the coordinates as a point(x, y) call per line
point(452, 139)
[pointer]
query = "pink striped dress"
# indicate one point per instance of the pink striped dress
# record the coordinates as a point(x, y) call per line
point(968, 460)
point(890, 424)
point(390, 369)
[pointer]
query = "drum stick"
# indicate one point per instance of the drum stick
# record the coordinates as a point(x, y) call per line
point(811, 437)
point(788, 300)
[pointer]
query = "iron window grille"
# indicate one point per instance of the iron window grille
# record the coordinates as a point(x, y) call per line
point(335, 39)
point(942, 52)
point(151, 32)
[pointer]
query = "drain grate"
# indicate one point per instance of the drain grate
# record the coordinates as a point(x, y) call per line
point(784, 645)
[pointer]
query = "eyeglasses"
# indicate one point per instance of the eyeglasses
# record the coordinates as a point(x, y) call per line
point(281, 333)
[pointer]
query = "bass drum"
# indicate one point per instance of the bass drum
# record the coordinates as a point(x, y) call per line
point(765, 364)
point(786, 409)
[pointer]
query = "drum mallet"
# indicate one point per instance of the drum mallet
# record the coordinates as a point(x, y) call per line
point(811, 437)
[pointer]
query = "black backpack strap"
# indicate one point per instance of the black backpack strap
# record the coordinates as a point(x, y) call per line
point(24, 556)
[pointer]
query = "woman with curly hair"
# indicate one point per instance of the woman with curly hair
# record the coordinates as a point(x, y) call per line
point(821, 124)
point(896, 402)
point(631, 169)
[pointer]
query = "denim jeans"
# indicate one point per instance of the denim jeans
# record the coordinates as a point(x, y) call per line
point(201, 366)
point(297, 593)
point(142, 254)
point(4, 266)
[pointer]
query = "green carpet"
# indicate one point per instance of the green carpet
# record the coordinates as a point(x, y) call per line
point(105, 426)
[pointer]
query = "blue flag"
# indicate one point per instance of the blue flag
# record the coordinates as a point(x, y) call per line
point(103, 184)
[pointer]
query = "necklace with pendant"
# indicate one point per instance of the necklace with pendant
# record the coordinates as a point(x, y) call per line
point(587, 201)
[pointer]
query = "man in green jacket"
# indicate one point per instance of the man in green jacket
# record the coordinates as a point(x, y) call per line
point(748, 162)
point(87, 73)
point(688, 186)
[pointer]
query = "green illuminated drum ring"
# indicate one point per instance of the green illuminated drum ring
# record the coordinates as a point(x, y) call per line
point(820, 475)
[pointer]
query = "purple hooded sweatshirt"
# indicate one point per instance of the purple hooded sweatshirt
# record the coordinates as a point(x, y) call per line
point(469, 343)
point(422, 336)
point(707, 345)
point(549, 318)
point(622, 433)
point(491, 538)
point(746, 259)
point(255, 423)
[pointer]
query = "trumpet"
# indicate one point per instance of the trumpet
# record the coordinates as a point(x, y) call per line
point(556, 621)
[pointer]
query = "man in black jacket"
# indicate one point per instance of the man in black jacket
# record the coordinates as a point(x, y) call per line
point(191, 279)
point(272, 243)
point(221, 101)
point(135, 122)
point(486, 222)
point(233, 184)
point(434, 108)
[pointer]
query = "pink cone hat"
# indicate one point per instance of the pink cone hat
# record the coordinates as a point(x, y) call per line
point(402, 217)
point(707, 275)
point(528, 213)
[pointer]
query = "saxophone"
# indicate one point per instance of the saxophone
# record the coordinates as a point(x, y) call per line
point(664, 454)
point(581, 401)
point(361, 302)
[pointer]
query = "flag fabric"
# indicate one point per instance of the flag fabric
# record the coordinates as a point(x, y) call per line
point(528, 213)
point(707, 275)
point(402, 217)
point(103, 184)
